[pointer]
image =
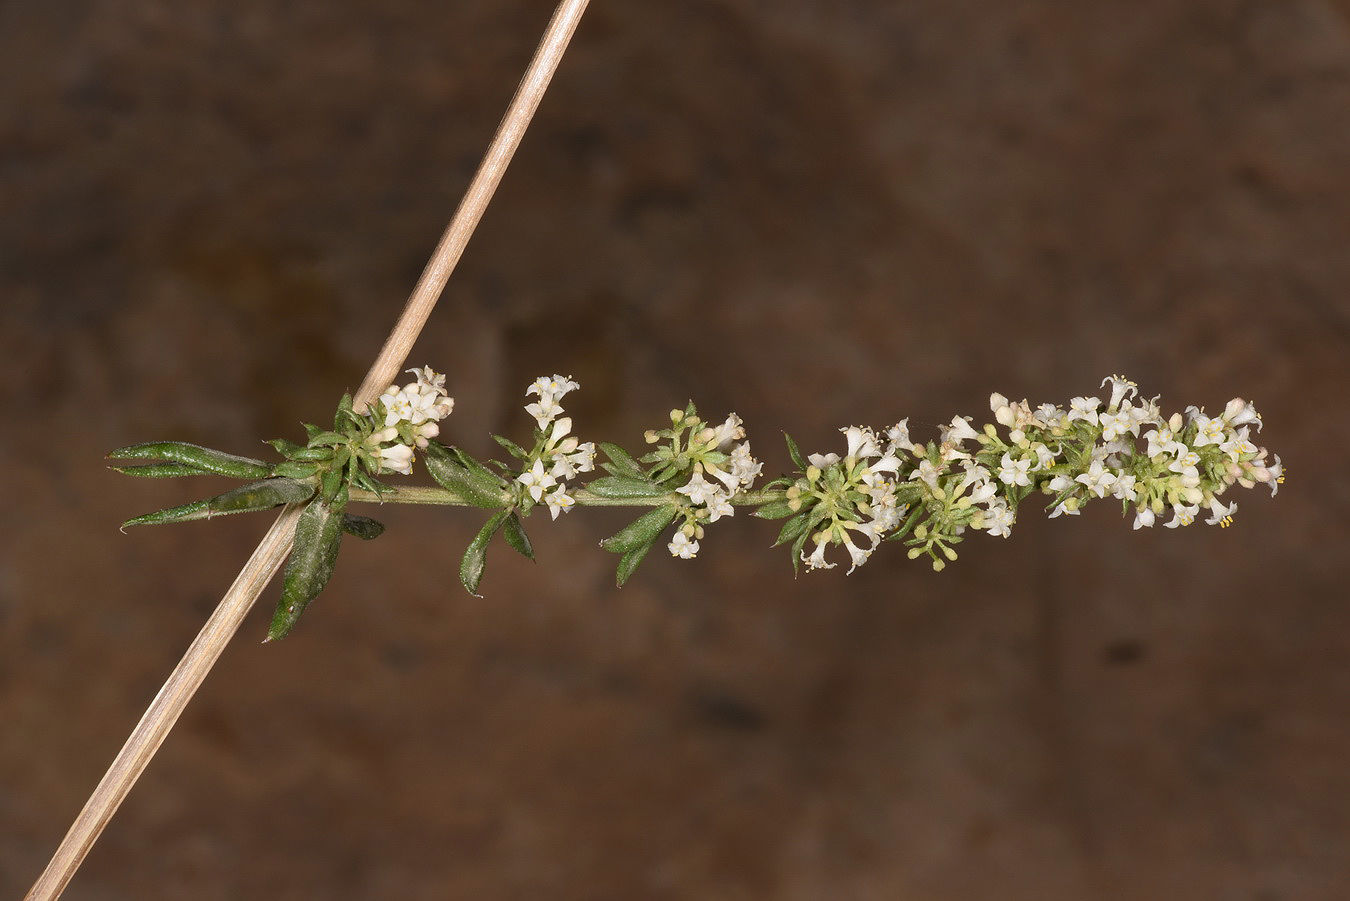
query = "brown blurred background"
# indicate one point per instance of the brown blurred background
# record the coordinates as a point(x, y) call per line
point(812, 212)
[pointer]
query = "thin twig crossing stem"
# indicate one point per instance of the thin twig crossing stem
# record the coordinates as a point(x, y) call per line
point(206, 649)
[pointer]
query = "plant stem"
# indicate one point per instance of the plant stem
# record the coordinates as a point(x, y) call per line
point(584, 498)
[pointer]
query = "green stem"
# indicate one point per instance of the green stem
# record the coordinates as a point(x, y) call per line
point(584, 498)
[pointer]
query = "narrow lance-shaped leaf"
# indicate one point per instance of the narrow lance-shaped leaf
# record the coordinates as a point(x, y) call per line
point(776, 510)
point(246, 498)
point(793, 528)
point(795, 452)
point(475, 555)
point(514, 533)
point(203, 459)
point(640, 531)
point(628, 563)
point(482, 489)
point(621, 463)
point(318, 536)
point(512, 448)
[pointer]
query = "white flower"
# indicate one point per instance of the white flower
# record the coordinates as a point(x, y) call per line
point(1117, 424)
point(1182, 515)
point(551, 387)
point(1222, 516)
point(536, 480)
point(1060, 482)
point(817, 559)
point(1238, 446)
point(821, 461)
point(1048, 415)
point(885, 512)
point(545, 411)
point(744, 467)
point(897, 436)
point(719, 505)
point(1209, 431)
point(1162, 440)
point(559, 501)
point(1068, 505)
point(1185, 467)
point(1124, 488)
point(683, 546)
point(958, 430)
point(1098, 479)
point(1084, 408)
point(398, 406)
point(1144, 518)
point(999, 519)
point(928, 473)
point(729, 431)
point(699, 490)
point(1044, 458)
point(862, 442)
point(1275, 475)
point(856, 554)
point(398, 458)
point(1120, 387)
point(429, 380)
point(584, 457)
point(1148, 414)
point(1014, 472)
point(1240, 412)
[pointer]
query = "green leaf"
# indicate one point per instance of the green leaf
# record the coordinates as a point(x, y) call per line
point(344, 415)
point(308, 454)
point(293, 469)
point(511, 447)
point(621, 463)
point(481, 488)
point(514, 533)
point(907, 525)
point(641, 531)
point(159, 470)
point(246, 498)
point(318, 535)
point(261, 496)
point(776, 510)
point(475, 556)
point(792, 529)
point(628, 563)
point(283, 447)
point(182, 513)
point(797, 549)
point(331, 439)
point(795, 453)
point(468, 462)
point(202, 458)
point(362, 527)
point(620, 486)
point(330, 484)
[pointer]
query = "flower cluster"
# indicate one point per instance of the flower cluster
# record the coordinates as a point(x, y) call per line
point(887, 487)
point(884, 486)
point(557, 455)
point(718, 469)
point(409, 417)
point(853, 494)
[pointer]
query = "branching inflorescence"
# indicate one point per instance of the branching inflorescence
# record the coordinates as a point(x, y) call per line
point(884, 487)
